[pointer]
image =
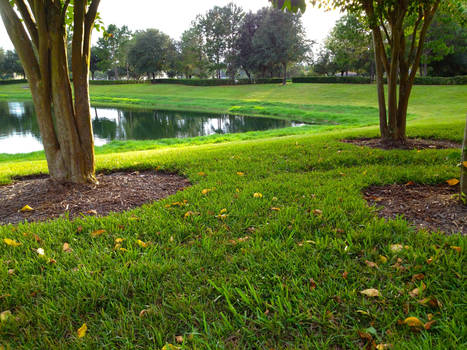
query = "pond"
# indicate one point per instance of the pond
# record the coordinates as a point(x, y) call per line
point(19, 132)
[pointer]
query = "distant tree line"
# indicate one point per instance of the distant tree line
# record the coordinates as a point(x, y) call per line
point(10, 65)
point(224, 42)
point(349, 49)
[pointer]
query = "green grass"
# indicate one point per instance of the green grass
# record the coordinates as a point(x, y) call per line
point(201, 279)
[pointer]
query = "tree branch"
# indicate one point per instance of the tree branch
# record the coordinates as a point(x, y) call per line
point(29, 21)
point(20, 39)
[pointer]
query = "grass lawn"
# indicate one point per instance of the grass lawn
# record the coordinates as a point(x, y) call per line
point(284, 268)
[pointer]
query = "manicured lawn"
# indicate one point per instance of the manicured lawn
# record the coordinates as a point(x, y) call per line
point(282, 270)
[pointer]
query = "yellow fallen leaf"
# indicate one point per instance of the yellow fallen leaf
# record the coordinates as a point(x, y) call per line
point(11, 242)
point(119, 240)
point(142, 244)
point(82, 331)
point(275, 209)
point(97, 233)
point(457, 249)
point(201, 173)
point(189, 213)
point(371, 264)
point(26, 208)
point(452, 182)
point(223, 211)
point(318, 212)
point(371, 292)
point(206, 191)
point(383, 259)
point(464, 164)
point(383, 346)
point(257, 195)
point(239, 173)
point(5, 315)
point(396, 247)
point(413, 322)
point(66, 248)
point(170, 347)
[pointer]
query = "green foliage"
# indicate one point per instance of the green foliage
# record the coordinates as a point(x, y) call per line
point(118, 82)
point(333, 80)
point(216, 82)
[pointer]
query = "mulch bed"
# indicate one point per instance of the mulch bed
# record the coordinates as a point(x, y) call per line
point(116, 192)
point(411, 144)
point(429, 207)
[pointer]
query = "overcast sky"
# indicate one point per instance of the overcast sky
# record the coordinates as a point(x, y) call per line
point(142, 14)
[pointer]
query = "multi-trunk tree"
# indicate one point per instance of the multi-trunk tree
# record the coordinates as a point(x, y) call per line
point(38, 30)
point(399, 29)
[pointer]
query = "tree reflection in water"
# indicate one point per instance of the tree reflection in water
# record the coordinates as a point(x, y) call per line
point(17, 121)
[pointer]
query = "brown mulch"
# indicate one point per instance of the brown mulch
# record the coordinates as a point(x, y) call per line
point(432, 208)
point(116, 192)
point(410, 144)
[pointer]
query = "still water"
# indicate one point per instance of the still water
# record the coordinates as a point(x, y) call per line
point(19, 132)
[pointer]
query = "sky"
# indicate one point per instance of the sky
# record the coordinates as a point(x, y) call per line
point(174, 17)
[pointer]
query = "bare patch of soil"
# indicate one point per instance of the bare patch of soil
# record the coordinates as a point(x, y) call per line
point(429, 207)
point(116, 192)
point(410, 144)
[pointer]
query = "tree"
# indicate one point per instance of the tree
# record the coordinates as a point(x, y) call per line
point(280, 40)
point(38, 32)
point(349, 44)
point(219, 28)
point(193, 60)
point(115, 44)
point(445, 49)
point(399, 29)
point(148, 52)
point(11, 65)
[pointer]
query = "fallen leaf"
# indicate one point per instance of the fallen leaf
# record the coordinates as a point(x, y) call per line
point(223, 211)
point(188, 214)
point(11, 242)
point(417, 291)
point(239, 173)
point(92, 212)
point(430, 317)
point(371, 264)
point(383, 346)
point(26, 208)
point(413, 322)
point(239, 240)
point(82, 331)
point(396, 247)
point(143, 313)
point(430, 301)
point(40, 251)
point(170, 347)
point(119, 240)
point(410, 183)
point(5, 315)
point(428, 325)
point(66, 248)
point(318, 212)
point(257, 195)
point(275, 209)
point(452, 182)
point(464, 164)
point(11, 271)
point(98, 233)
point(371, 292)
point(201, 173)
point(52, 261)
point(345, 274)
point(179, 339)
point(313, 284)
point(418, 277)
point(383, 259)
point(206, 191)
point(457, 249)
point(142, 244)
point(365, 336)
point(429, 261)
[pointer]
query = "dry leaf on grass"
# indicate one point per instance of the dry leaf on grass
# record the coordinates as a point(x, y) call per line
point(371, 292)
point(98, 233)
point(11, 242)
point(452, 182)
point(413, 322)
point(81, 332)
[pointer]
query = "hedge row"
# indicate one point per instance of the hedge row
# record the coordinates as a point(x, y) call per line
point(13, 81)
point(457, 80)
point(215, 82)
point(117, 82)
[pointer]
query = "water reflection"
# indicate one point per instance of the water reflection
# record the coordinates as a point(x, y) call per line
point(19, 132)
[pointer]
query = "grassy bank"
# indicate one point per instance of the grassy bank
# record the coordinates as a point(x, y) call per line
point(282, 270)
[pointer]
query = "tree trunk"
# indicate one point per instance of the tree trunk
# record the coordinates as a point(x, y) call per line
point(383, 124)
point(463, 189)
point(284, 79)
point(67, 138)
